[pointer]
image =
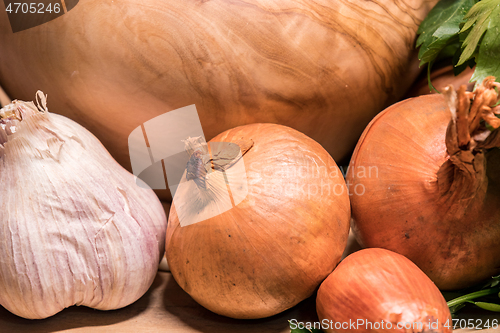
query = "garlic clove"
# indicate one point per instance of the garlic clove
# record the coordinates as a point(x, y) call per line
point(75, 228)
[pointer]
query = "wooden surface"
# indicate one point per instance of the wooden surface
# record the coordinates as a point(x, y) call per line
point(164, 308)
point(167, 308)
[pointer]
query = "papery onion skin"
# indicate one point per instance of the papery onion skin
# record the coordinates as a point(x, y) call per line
point(324, 68)
point(75, 228)
point(381, 288)
point(273, 249)
point(402, 208)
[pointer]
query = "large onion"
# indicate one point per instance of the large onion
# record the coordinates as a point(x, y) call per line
point(322, 67)
point(274, 248)
point(422, 190)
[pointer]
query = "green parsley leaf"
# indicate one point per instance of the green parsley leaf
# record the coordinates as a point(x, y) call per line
point(456, 308)
point(459, 302)
point(475, 43)
point(488, 306)
point(483, 40)
point(493, 282)
point(441, 27)
point(305, 330)
point(478, 20)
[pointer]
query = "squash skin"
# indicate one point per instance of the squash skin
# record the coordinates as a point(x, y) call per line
point(323, 68)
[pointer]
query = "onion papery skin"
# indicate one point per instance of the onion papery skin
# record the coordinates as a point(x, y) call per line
point(273, 249)
point(324, 68)
point(376, 285)
point(403, 209)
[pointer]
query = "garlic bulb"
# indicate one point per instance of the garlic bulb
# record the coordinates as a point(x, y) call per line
point(75, 228)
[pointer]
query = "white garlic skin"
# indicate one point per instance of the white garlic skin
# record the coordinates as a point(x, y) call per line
point(75, 229)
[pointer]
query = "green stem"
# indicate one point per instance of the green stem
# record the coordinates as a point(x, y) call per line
point(471, 296)
point(429, 65)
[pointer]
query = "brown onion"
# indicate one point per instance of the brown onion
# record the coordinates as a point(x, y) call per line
point(273, 249)
point(324, 68)
point(376, 290)
point(433, 190)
